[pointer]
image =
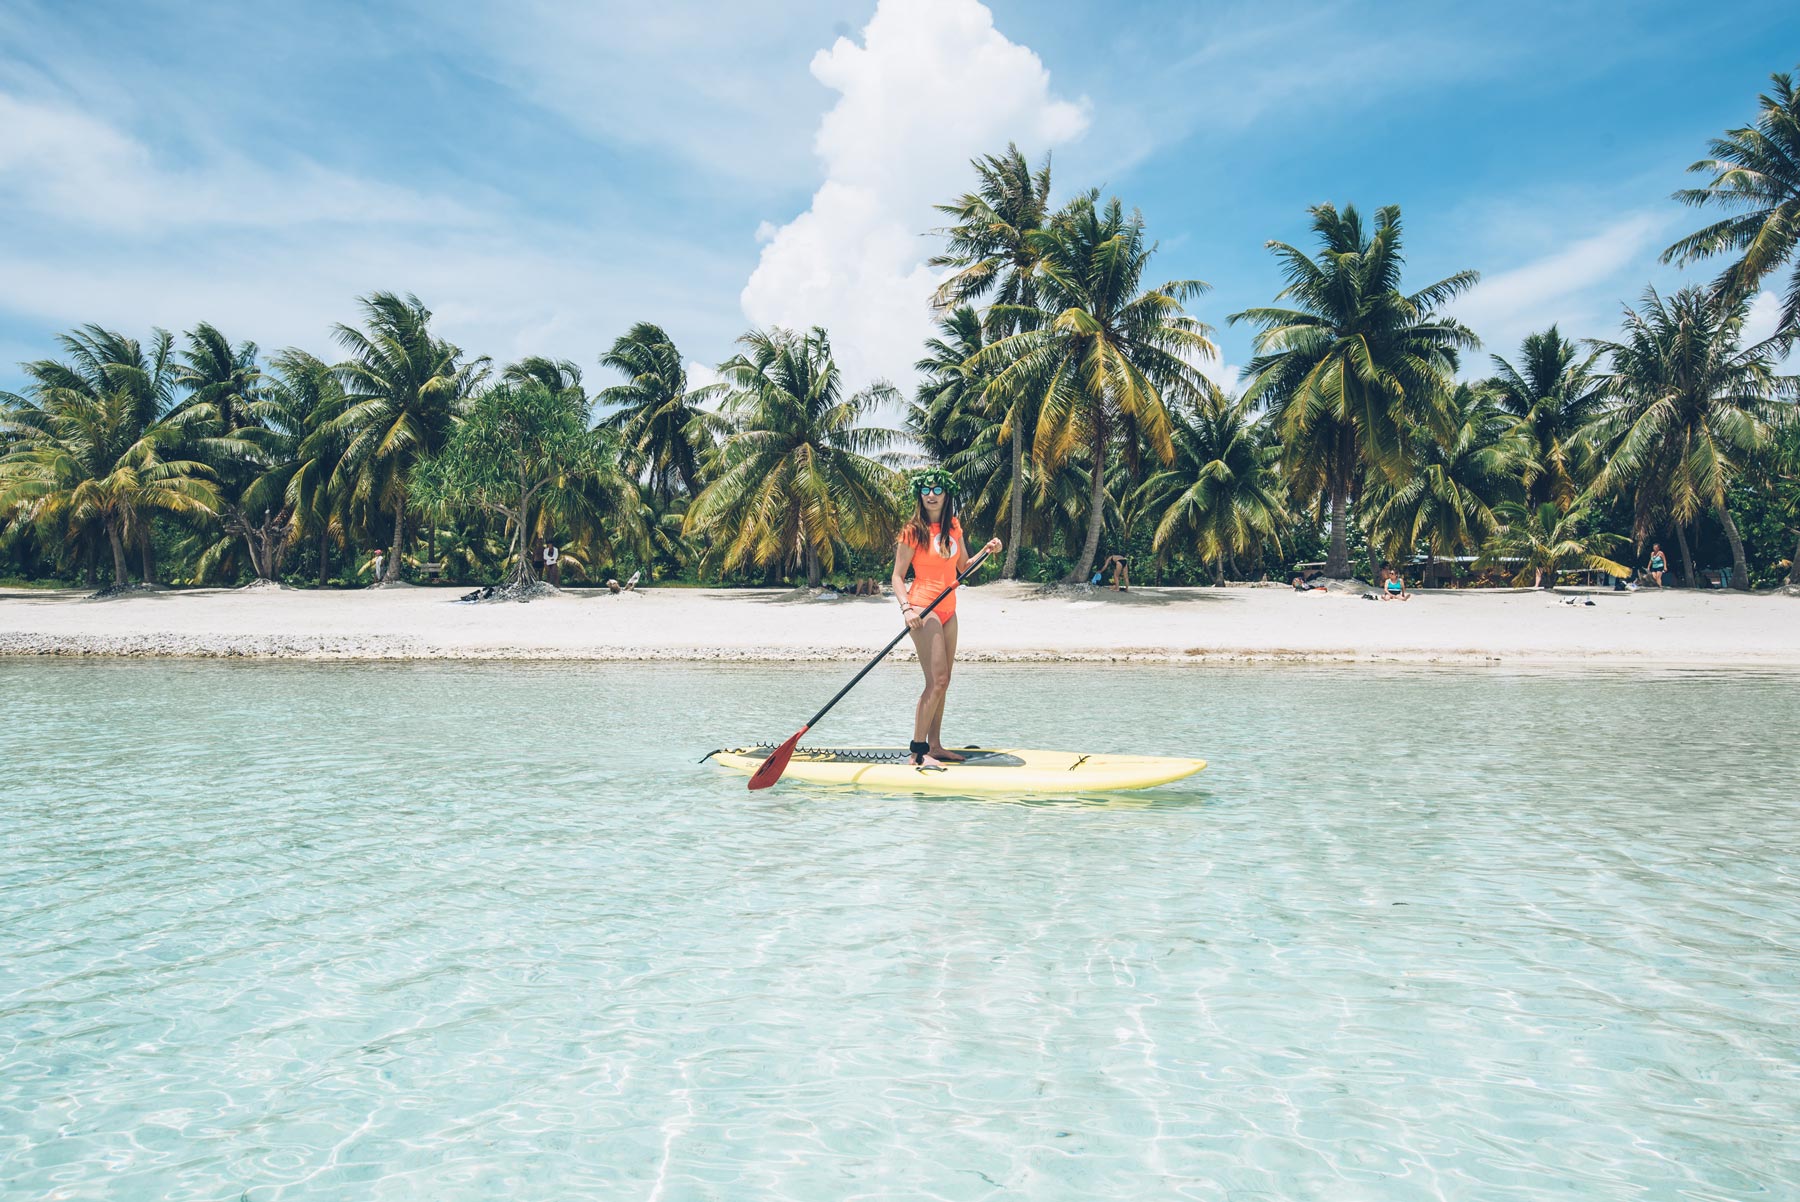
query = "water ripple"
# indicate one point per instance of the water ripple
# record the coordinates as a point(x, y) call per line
point(284, 931)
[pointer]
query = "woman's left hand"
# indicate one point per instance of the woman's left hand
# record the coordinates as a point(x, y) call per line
point(993, 546)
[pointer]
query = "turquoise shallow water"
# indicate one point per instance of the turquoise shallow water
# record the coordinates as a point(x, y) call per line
point(280, 931)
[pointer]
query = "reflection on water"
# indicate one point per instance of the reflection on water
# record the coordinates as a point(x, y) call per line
point(468, 932)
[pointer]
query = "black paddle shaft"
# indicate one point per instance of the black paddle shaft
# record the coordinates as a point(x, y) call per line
point(926, 612)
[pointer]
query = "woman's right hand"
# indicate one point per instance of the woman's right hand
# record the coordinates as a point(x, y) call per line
point(913, 620)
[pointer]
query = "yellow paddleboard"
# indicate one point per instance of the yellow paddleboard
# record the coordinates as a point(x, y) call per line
point(986, 770)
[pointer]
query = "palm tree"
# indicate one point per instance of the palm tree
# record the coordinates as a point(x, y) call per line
point(104, 365)
point(1097, 358)
point(285, 467)
point(994, 254)
point(555, 375)
point(666, 426)
point(1354, 363)
point(222, 381)
point(1221, 497)
point(1687, 405)
point(1755, 169)
point(1552, 396)
point(404, 389)
point(799, 478)
point(1448, 500)
point(80, 461)
point(1548, 540)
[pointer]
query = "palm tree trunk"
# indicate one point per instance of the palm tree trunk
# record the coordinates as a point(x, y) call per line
point(393, 563)
point(118, 551)
point(812, 566)
point(1740, 572)
point(147, 553)
point(1794, 567)
point(1016, 529)
point(1687, 558)
point(1337, 560)
point(1090, 546)
point(91, 563)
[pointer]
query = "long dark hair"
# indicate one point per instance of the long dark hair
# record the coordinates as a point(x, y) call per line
point(917, 532)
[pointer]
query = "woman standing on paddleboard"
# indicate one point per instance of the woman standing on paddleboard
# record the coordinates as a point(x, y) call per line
point(931, 545)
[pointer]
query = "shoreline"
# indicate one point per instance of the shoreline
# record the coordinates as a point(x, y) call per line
point(1004, 623)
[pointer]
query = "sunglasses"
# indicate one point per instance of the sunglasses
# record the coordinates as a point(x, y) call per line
point(936, 490)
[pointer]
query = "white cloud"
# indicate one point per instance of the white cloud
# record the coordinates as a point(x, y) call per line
point(701, 376)
point(66, 164)
point(1575, 287)
point(931, 85)
point(1763, 319)
point(716, 85)
point(103, 228)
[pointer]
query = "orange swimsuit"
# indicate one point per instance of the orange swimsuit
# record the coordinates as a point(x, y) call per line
point(934, 569)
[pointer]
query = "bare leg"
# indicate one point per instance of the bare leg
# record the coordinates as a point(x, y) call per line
point(928, 641)
point(935, 735)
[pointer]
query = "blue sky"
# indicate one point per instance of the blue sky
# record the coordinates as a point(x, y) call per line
point(543, 175)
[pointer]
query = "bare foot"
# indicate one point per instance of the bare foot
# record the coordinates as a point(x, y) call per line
point(947, 756)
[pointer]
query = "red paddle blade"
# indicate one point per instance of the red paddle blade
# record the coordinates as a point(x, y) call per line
point(777, 763)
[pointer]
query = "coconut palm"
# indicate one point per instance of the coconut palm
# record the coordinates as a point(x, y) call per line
point(991, 248)
point(81, 462)
point(1552, 396)
point(666, 425)
point(1687, 405)
point(1447, 502)
point(1755, 169)
point(1098, 359)
point(102, 365)
point(950, 409)
point(222, 381)
point(1221, 497)
point(403, 391)
point(1547, 540)
point(1354, 363)
point(800, 477)
point(555, 375)
point(288, 496)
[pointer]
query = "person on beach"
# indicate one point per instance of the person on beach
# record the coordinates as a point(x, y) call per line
point(1395, 585)
point(1121, 573)
point(376, 562)
point(931, 546)
point(552, 564)
point(1304, 585)
point(1659, 563)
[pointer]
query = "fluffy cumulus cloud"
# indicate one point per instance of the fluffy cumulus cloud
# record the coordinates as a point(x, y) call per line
point(931, 85)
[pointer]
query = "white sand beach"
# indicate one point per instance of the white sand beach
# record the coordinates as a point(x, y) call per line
point(1001, 622)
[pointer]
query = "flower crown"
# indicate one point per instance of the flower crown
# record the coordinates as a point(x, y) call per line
point(933, 477)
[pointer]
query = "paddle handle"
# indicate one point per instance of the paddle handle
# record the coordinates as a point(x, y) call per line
point(868, 667)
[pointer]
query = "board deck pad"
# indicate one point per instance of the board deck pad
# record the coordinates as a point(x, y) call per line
point(973, 757)
point(984, 770)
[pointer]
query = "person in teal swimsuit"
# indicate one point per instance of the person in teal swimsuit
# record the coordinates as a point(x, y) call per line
point(1658, 563)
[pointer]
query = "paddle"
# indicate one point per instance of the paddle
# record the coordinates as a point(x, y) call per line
point(777, 763)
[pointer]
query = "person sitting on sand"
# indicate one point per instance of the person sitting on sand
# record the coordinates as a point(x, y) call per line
point(1395, 586)
point(1658, 564)
point(931, 546)
point(1302, 585)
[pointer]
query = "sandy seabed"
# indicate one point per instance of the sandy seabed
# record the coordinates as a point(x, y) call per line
point(999, 622)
